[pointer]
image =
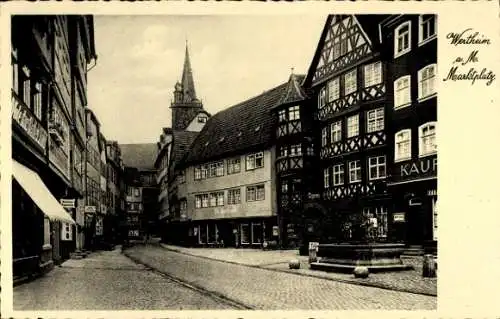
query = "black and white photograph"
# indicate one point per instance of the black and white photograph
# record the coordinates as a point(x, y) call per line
point(225, 162)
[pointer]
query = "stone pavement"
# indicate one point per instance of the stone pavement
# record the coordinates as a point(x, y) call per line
point(266, 289)
point(108, 280)
point(406, 281)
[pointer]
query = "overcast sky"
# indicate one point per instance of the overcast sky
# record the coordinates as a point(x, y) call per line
point(233, 58)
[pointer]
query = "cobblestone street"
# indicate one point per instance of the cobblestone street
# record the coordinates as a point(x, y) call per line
point(270, 290)
point(108, 281)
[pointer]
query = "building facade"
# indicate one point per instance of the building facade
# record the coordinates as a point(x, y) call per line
point(141, 202)
point(114, 176)
point(45, 148)
point(410, 48)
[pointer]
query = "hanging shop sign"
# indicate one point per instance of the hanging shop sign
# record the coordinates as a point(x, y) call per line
point(68, 203)
point(66, 232)
point(398, 217)
point(90, 209)
point(275, 231)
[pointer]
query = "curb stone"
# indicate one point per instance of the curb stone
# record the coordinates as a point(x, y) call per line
point(289, 271)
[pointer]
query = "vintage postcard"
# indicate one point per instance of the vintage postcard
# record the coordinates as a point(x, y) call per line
point(249, 159)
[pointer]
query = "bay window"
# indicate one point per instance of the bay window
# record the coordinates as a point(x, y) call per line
point(336, 131)
point(338, 174)
point(326, 178)
point(294, 113)
point(354, 171)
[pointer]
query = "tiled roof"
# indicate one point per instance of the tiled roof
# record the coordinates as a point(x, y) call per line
point(240, 128)
point(139, 155)
point(294, 91)
point(180, 146)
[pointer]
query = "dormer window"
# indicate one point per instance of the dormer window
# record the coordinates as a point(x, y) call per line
point(202, 118)
point(257, 128)
point(221, 139)
point(402, 39)
point(427, 30)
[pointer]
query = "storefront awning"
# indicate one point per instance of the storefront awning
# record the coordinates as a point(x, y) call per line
point(39, 193)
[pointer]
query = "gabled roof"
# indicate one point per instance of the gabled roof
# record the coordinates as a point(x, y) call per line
point(140, 156)
point(243, 127)
point(369, 24)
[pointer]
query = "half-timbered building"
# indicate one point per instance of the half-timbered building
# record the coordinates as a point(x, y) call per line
point(347, 81)
point(296, 163)
point(410, 49)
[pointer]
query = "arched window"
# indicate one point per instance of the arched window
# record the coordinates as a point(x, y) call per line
point(402, 147)
point(427, 139)
point(402, 39)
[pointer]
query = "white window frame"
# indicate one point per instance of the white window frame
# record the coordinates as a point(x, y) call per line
point(338, 174)
point(282, 116)
point(324, 136)
point(232, 164)
point(220, 198)
point(377, 165)
point(372, 74)
point(333, 89)
point(213, 200)
point(336, 132)
point(251, 161)
point(421, 22)
point(197, 201)
point(355, 168)
point(326, 178)
point(234, 196)
point(431, 82)
point(322, 98)
point(397, 35)
point(353, 126)
point(378, 122)
point(350, 82)
point(402, 138)
point(205, 201)
point(294, 113)
point(422, 152)
point(402, 96)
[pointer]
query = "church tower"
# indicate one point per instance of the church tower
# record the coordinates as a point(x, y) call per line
point(185, 106)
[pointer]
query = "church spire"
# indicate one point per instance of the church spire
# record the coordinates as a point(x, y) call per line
point(189, 93)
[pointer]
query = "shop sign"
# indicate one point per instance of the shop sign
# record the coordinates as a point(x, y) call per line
point(425, 166)
point(398, 217)
point(275, 231)
point(68, 203)
point(415, 202)
point(313, 196)
point(23, 116)
point(66, 232)
point(90, 209)
point(313, 246)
